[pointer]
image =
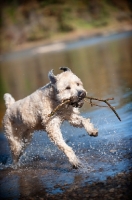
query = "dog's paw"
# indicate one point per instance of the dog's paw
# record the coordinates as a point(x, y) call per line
point(77, 166)
point(76, 163)
point(94, 133)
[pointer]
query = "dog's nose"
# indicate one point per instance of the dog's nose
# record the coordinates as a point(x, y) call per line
point(82, 94)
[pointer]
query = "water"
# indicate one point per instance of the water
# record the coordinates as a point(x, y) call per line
point(105, 67)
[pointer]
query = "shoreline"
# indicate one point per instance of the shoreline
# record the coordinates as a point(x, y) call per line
point(118, 187)
point(65, 45)
point(73, 36)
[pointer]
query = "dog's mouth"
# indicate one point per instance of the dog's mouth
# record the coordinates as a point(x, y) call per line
point(78, 104)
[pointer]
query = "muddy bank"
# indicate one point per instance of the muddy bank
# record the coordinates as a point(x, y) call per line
point(118, 187)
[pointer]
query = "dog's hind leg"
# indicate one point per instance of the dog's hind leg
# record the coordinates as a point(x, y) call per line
point(26, 139)
point(14, 143)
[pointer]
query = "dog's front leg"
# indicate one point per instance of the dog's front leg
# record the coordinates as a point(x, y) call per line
point(78, 121)
point(54, 133)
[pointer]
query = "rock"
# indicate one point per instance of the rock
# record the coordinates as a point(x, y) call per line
point(112, 190)
point(119, 196)
point(94, 194)
point(102, 190)
point(107, 197)
point(119, 186)
point(120, 174)
point(112, 150)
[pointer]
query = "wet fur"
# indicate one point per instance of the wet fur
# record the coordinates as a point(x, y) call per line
point(25, 116)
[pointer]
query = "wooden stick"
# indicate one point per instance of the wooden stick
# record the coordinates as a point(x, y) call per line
point(58, 107)
point(105, 101)
point(91, 103)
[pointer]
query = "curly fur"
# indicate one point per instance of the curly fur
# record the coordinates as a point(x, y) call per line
point(24, 116)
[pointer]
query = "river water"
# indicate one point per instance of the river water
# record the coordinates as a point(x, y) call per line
point(104, 65)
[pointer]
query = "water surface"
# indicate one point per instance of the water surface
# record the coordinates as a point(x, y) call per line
point(105, 67)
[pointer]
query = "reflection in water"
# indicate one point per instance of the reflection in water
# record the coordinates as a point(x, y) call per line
point(105, 69)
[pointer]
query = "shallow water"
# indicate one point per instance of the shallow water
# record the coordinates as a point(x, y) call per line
point(105, 67)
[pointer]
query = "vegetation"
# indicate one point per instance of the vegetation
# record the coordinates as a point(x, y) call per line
point(25, 22)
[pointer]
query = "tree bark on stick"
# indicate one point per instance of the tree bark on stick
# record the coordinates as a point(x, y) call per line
point(105, 101)
point(67, 101)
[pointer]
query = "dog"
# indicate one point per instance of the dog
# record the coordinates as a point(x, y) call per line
point(24, 116)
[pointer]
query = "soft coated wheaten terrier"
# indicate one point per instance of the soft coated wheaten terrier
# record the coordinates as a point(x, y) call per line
point(25, 116)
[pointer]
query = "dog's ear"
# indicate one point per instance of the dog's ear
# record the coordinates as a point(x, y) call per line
point(52, 77)
point(65, 69)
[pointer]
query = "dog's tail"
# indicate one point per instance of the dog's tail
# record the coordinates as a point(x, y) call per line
point(9, 100)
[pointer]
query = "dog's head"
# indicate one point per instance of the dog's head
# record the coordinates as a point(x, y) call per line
point(68, 86)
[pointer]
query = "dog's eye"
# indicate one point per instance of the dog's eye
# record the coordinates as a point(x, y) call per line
point(78, 84)
point(68, 88)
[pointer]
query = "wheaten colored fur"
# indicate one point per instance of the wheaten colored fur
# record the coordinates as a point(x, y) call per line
point(25, 116)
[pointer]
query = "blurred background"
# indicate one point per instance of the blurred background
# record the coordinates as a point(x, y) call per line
point(92, 37)
point(28, 23)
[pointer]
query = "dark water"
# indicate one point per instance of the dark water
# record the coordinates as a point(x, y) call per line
point(105, 67)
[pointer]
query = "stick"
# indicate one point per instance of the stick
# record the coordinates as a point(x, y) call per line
point(58, 107)
point(91, 103)
point(105, 101)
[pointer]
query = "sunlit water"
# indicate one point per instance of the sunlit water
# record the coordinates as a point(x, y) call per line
point(105, 67)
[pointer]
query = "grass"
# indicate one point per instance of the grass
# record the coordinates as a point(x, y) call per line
point(43, 20)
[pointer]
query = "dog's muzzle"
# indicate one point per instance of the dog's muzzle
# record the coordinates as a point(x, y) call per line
point(78, 101)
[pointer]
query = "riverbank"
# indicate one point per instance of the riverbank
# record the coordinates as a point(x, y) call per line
point(74, 36)
point(36, 23)
point(118, 187)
